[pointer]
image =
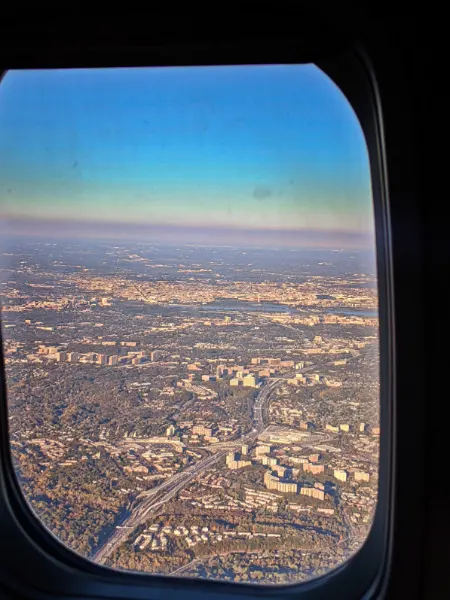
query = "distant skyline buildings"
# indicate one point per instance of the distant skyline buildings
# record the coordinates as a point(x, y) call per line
point(253, 155)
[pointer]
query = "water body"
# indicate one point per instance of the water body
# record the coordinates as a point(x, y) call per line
point(353, 312)
point(243, 306)
point(273, 307)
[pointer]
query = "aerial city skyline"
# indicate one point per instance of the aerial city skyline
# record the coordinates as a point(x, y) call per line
point(189, 313)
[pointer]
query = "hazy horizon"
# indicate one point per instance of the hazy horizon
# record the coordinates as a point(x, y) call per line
point(212, 236)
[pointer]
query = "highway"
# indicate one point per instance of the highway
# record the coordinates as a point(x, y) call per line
point(149, 502)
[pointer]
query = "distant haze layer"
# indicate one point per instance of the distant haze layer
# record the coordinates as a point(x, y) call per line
point(211, 236)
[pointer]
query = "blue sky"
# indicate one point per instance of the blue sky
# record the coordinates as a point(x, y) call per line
point(274, 148)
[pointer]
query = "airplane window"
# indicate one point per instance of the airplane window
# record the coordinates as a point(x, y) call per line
point(190, 317)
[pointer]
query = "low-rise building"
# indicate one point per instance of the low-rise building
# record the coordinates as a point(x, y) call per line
point(361, 476)
point(314, 469)
point(262, 449)
point(249, 381)
point(340, 474)
point(331, 428)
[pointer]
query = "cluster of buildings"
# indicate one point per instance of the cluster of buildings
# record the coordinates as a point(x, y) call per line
point(201, 391)
point(328, 319)
point(157, 536)
point(202, 431)
point(272, 482)
point(207, 431)
point(359, 506)
point(235, 460)
point(248, 380)
point(277, 476)
point(347, 428)
point(239, 375)
point(256, 499)
point(145, 461)
point(99, 358)
point(314, 379)
point(63, 302)
point(321, 292)
point(251, 376)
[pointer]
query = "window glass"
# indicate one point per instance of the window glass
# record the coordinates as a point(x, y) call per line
point(190, 317)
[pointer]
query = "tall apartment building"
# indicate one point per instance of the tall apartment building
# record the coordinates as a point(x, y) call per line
point(273, 483)
point(270, 481)
point(268, 461)
point(202, 430)
point(230, 457)
point(279, 470)
point(287, 487)
point(313, 492)
point(102, 359)
point(238, 464)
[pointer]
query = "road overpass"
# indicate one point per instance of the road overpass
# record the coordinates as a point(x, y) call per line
point(152, 500)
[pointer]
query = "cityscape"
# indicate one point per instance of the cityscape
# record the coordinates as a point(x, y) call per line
point(195, 411)
point(189, 317)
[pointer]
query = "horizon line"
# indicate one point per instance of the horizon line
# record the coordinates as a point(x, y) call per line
point(185, 234)
point(18, 218)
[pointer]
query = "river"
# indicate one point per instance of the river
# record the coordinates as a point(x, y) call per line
point(273, 307)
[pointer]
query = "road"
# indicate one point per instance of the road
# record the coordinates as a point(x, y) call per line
point(148, 502)
point(188, 566)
